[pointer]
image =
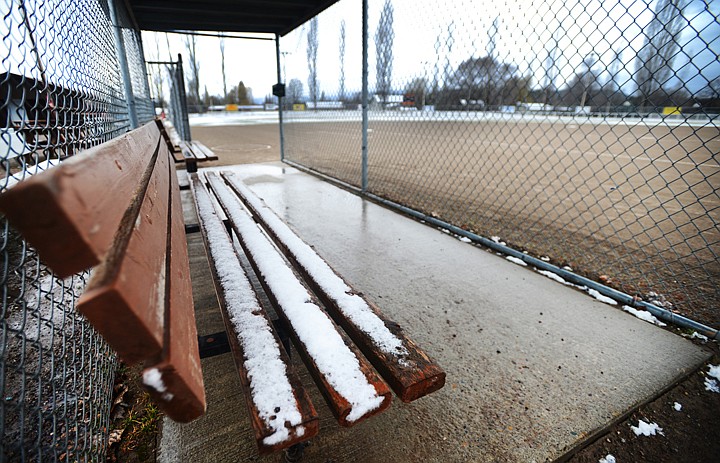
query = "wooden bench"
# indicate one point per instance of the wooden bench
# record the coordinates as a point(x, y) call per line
point(190, 152)
point(352, 389)
point(116, 207)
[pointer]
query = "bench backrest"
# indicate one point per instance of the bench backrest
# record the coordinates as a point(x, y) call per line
point(117, 206)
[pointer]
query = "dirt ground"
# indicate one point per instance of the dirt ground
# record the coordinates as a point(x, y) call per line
point(689, 435)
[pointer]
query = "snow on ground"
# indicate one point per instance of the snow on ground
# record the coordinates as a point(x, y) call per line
point(647, 429)
point(515, 260)
point(712, 385)
point(699, 336)
point(465, 239)
point(714, 371)
point(554, 276)
point(677, 406)
point(600, 297)
point(497, 240)
point(643, 315)
point(608, 459)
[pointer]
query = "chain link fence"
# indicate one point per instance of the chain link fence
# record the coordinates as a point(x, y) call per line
point(586, 133)
point(62, 91)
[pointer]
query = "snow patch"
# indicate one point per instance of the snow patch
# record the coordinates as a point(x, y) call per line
point(152, 378)
point(647, 429)
point(553, 276)
point(699, 336)
point(608, 459)
point(643, 315)
point(465, 239)
point(714, 371)
point(497, 240)
point(600, 297)
point(545, 258)
point(712, 385)
point(677, 406)
point(515, 260)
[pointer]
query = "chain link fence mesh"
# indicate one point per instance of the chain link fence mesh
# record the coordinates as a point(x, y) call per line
point(62, 92)
point(583, 132)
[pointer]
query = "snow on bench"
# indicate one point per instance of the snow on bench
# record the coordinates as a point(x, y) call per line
point(408, 370)
point(351, 387)
point(281, 412)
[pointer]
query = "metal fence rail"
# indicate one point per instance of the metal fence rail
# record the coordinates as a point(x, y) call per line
point(586, 133)
point(63, 90)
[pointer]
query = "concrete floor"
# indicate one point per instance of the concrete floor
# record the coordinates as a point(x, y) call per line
point(534, 368)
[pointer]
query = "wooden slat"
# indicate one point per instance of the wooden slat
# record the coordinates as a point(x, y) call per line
point(71, 213)
point(262, 425)
point(189, 152)
point(174, 149)
point(209, 154)
point(339, 404)
point(411, 375)
point(182, 395)
point(125, 298)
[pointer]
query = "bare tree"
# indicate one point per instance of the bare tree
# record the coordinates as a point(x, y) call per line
point(222, 66)
point(341, 96)
point(656, 57)
point(294, 92)
point(194, 78)
point(312, 50)
point(492, 44)
point(384, 36)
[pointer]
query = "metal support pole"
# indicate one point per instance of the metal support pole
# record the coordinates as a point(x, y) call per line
point(364, 96)
point(280, 100)
point(124, 69)
point(184, 120)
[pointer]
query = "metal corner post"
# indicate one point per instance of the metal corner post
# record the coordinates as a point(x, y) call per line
point(364, 96)
point(124, 69)
point(280, 100)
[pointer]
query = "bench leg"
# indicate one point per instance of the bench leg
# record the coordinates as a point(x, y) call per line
point(295, 453)
point(191, 166)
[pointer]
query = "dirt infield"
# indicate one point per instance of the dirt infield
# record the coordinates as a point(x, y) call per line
point(634, 205)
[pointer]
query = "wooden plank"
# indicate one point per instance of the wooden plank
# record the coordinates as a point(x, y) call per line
point(351, 387)
point(176, 382)
point(188, 151)
point(125, 298)
point(238, 302)
point(66, 212)
point(408, 370)
point(174, 149)
point(209, 154)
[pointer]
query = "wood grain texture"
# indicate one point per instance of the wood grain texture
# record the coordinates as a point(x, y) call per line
point(184, 397)
point(412, 375)
point(70, 213)
point(125, 298)
point(340, 407)
point(309, 422)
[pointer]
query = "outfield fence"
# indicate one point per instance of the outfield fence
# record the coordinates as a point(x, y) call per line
point(584, 133)
point(73, 76)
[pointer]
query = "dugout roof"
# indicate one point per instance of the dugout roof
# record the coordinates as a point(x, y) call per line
point(269, 16)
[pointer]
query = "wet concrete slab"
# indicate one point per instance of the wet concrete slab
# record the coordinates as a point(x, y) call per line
point(534, 368)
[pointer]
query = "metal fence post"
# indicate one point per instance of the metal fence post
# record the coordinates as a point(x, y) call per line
point(183, 99)
point(364, 183)
point(280, 99)
point(124, 69)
